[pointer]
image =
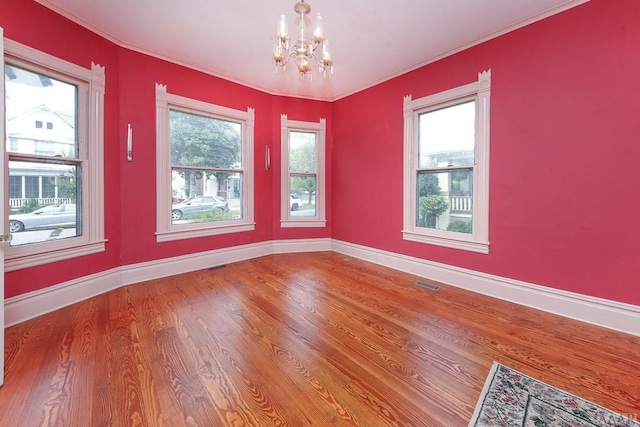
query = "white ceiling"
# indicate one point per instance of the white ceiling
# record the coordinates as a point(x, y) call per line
point(371, 40)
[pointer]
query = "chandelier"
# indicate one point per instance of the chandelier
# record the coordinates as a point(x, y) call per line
point(307, 48)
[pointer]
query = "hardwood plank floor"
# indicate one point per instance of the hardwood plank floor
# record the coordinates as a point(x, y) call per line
point(314, 339)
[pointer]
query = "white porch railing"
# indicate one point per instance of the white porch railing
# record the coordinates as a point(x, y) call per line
point(18, 203)
point(461, 203)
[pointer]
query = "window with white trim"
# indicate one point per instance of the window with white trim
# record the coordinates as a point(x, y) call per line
point(446, 167)
point(302, 173)
point(55, 173)
point(204, 168)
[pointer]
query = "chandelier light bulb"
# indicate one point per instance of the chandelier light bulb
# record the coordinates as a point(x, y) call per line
point(282, 33)
point(318, 31)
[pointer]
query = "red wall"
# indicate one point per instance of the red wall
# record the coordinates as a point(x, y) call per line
point(564, 148)
point(33, 25)
point(565, 128)
point(139, 73)
point(130, 188)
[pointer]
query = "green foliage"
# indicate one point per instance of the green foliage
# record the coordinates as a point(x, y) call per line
point(430, 208)
point(30, 205)
point(212, 215)
point(428, 184)
point(460, 177)
point(431, 204)
point(460, 226)
point(206, 142)
point(67, 188)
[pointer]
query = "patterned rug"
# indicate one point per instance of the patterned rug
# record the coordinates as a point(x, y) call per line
point(511, 399)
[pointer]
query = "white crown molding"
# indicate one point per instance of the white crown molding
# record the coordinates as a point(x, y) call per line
point(73, 18)
point(598, 311)
point(546, 14)
point(569, 4)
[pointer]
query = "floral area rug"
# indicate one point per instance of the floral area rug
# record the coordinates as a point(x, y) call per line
point(510, 399)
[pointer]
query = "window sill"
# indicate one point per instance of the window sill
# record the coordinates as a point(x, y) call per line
point(168, 236)
point(26, 261)
point(448, 242)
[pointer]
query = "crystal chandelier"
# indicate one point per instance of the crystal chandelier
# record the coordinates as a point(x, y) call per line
point(306, 46)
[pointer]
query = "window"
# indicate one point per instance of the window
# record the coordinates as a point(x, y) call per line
point(31, 189)
point(48, 187)
point(15, 187)
point(303, 170)
point(446, 167)
point(55, 196)
point(204, 168)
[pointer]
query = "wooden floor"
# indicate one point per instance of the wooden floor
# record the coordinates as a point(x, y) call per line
point(296, 340)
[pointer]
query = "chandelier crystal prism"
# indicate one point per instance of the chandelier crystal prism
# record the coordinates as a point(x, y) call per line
point(307, 48)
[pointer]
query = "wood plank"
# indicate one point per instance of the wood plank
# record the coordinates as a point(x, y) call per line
point(294, 340)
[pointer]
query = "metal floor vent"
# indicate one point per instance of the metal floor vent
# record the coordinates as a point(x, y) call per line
point(428, 286)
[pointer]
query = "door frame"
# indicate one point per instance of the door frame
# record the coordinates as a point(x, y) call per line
point(3, 205)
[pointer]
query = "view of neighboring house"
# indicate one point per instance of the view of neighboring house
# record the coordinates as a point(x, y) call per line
point(36, 130)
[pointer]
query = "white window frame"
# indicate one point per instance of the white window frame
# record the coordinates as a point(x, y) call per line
point(478, 241)
point(320, 129)
point(165, 230)
point(91, 89)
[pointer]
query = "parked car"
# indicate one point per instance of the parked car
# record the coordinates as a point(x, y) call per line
point(294, 202)
point(55, 216)
point(198, 204)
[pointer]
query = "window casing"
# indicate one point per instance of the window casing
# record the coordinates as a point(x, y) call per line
point(302, 173)
point(85, 158)
point(446, 167)
point(192, 189)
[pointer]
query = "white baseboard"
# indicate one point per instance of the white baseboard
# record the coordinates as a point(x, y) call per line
point(27, 306)
point(598, 311)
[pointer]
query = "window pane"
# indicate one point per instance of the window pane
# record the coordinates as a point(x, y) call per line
point(445, 200)
point(33, 99)
point(36, 219)
point(447, 136)
point(15, 187)
point(302, 152)
point(303, 196)
point(48, 186)
point(204, 141)
point(31, 187)
point(205, 196)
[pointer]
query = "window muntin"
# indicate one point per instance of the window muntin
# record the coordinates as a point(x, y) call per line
point(303, 173)
point(446, 167)
point(204, 168)
point(41, 158)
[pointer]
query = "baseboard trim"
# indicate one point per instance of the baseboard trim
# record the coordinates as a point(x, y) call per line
point(609, 314)
point(598, 311)
point(33, 304)
point(27, 306)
